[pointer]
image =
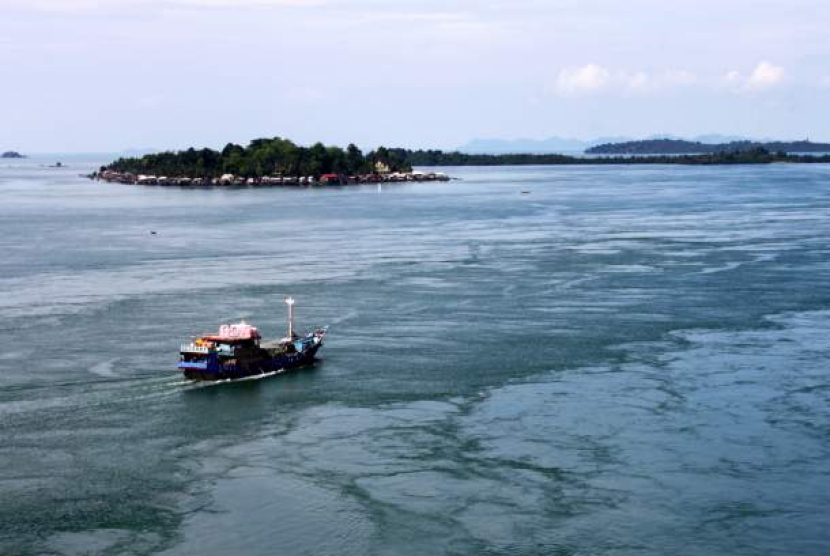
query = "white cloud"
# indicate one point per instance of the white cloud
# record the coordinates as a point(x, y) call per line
point(825, 82)
point(765, 76)
point(585, 80)
point(593, 79)
point(733, 79)
point(640, 81)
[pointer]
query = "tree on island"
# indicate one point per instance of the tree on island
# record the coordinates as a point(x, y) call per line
point(272, 157)
point(264, 157)
point(681, 146)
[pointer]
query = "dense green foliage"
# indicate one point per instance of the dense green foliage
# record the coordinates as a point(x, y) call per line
point(263, 157)
point(440, 158)
point(282, 157)
point(754, 156)
point(679, 146)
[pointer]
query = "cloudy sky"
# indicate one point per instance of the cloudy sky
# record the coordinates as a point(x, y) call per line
point(103, 75)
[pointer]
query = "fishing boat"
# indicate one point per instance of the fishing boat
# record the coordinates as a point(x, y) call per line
point(237, 352)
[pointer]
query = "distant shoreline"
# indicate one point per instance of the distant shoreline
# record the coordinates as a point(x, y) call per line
point(758, 157)
point(681, 146)
point(280, 162)
point(753, 156)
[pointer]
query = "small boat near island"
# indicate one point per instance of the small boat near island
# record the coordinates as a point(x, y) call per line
point(236, 352)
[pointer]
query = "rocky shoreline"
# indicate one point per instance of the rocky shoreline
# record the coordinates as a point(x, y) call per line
point(230, 180)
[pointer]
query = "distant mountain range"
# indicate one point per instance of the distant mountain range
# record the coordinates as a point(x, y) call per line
point(682, 146)
point(553, 145)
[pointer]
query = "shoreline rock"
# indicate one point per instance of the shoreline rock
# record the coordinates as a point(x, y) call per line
point(230, 180)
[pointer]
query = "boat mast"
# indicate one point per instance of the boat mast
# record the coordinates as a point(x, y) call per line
point(290, 302)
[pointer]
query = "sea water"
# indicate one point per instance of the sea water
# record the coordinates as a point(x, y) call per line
point(563, 360)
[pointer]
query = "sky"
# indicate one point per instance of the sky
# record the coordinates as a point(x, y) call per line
point(109, 75)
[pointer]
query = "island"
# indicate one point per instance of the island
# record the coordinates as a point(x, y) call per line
point(11, 154)
point(275, 161)
point(280, 161)
point(681, 146)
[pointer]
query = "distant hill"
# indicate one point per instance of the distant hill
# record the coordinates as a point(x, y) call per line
point(712, 138)
point(11, 154)
point(566, 145)
point(551, 145)
point(682, 146)
point(282, 157)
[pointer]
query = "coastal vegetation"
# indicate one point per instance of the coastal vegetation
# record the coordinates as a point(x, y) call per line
point(265, 157)
point(758, 155)
point(11, 154)
point(680, 146)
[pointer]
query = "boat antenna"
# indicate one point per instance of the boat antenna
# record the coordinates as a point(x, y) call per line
point(290, 302)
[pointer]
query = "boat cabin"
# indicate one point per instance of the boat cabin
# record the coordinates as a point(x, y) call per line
point(231, 340)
